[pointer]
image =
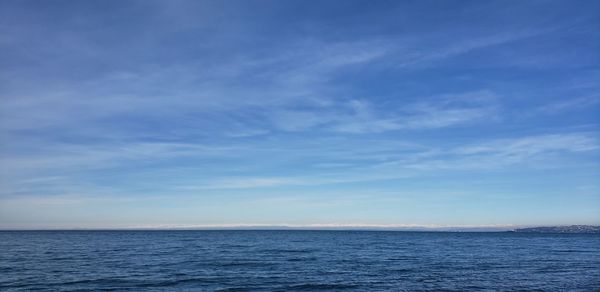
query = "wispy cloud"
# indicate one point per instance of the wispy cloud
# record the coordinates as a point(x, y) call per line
point(528, 146)
point(538, 151)
point(297, 75)
point(570, 104)
point(245, 183)
point(361, 116)
point(456, 47)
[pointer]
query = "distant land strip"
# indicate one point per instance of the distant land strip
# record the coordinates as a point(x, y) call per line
point(561, 229)
point(333, 227)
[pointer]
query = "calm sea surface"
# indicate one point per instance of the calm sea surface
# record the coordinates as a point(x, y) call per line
point(297, 260)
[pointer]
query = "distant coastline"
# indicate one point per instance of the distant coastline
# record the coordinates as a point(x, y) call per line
point(588, 229)
point(561, 229)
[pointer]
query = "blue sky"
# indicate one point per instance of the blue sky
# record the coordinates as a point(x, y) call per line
point(305, 113)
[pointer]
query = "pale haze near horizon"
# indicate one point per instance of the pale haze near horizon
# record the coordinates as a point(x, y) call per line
point(117, 114)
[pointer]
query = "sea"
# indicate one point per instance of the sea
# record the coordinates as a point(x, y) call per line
point(297, 260)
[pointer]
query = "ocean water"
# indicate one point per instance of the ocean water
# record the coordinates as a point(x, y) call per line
point(297, 260)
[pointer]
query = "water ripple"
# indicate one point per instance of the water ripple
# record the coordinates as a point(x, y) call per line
point(297, 261)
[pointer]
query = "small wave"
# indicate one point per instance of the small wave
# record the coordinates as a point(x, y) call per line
point(321, 286)
point(245, 264)
point(289, 250)
point(234, 289)
point(171, 283)
point(401, 270)
point(58, 258)
point(90, 281)
point(234, 246)
point(302, 259)
point(13, 286)
point(573, 250)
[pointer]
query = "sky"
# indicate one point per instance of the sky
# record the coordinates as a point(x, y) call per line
point(160, 114)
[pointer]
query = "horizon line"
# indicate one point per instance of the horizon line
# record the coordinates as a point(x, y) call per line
point(291, 227)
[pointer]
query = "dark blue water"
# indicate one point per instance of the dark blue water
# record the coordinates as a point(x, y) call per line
point(297, 260)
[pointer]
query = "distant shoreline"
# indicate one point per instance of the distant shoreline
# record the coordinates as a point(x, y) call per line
point(561, 229)
point(572, 229)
